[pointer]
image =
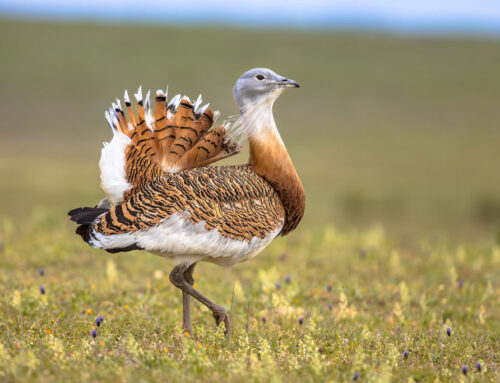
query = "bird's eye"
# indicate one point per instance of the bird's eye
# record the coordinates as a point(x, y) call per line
point(260, 77)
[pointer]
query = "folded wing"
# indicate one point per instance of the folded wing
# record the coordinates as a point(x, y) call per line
point(226, 210)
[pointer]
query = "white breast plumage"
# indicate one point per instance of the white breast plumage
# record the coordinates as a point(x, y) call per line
point(182, 241)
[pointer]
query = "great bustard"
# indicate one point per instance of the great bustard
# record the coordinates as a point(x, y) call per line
point(161, 196)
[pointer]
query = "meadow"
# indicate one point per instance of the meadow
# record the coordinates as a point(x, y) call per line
point(321, 306)
point(393, 275)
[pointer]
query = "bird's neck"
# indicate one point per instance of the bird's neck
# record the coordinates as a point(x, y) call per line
point(270, 160)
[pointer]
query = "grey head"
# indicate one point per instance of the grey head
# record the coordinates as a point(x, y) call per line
point(260, 85)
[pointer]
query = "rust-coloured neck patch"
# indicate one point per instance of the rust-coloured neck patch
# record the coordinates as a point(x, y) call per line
point(270, 160)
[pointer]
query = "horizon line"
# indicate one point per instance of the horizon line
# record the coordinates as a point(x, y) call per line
point(346, 21)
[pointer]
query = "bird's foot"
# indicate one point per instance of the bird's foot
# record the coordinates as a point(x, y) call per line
point(221, 316)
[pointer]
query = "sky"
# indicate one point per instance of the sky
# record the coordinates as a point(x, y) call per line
point(407, 16)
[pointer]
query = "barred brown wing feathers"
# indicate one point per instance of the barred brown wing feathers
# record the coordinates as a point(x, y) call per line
point(164, 128)
point(186, 133)
point(207, 148)
point(231, 199)
point(140, 169)
point(175, 137)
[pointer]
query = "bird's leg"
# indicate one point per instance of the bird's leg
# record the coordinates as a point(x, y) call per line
point(186, 300)
point(178, 278)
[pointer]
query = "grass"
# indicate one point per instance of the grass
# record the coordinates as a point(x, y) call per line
point(363, 302)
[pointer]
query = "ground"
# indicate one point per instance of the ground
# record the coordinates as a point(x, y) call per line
point(322, 305)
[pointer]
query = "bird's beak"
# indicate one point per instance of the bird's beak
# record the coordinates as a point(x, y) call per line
point(287, 83)
point(292, 83)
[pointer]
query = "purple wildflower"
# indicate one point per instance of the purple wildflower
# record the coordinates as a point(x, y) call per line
point(98, 320)
point(448, 331)
point(277, 285)
point(479, 367)
point(301, 320)
point(42, 290)
point(464, 369)
point(263, 319)
point(405, 354)
point(328, 287)
point(94, 334)
point(330, 306)
point(356, 376)
point(460, 283)
point(41, 272)
point(288, 279)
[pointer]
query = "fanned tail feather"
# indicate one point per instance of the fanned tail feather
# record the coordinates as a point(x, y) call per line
point(176, 136)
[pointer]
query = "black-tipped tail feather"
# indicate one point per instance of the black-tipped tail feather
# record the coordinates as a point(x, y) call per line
point(85, 217)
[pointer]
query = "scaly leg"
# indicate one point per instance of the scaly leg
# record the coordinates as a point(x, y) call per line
point(186, 300)
point(178, 278)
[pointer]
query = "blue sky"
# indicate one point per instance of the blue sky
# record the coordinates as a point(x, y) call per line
point(407, 16)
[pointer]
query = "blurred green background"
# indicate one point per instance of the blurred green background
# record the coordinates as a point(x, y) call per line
point(401, 131)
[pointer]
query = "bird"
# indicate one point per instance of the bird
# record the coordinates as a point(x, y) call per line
point(164, 198)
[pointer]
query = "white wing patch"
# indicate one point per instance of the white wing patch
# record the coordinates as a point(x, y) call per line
point(184, 241)
point(112, 165)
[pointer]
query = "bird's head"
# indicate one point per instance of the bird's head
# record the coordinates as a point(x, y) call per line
point(260, 85)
